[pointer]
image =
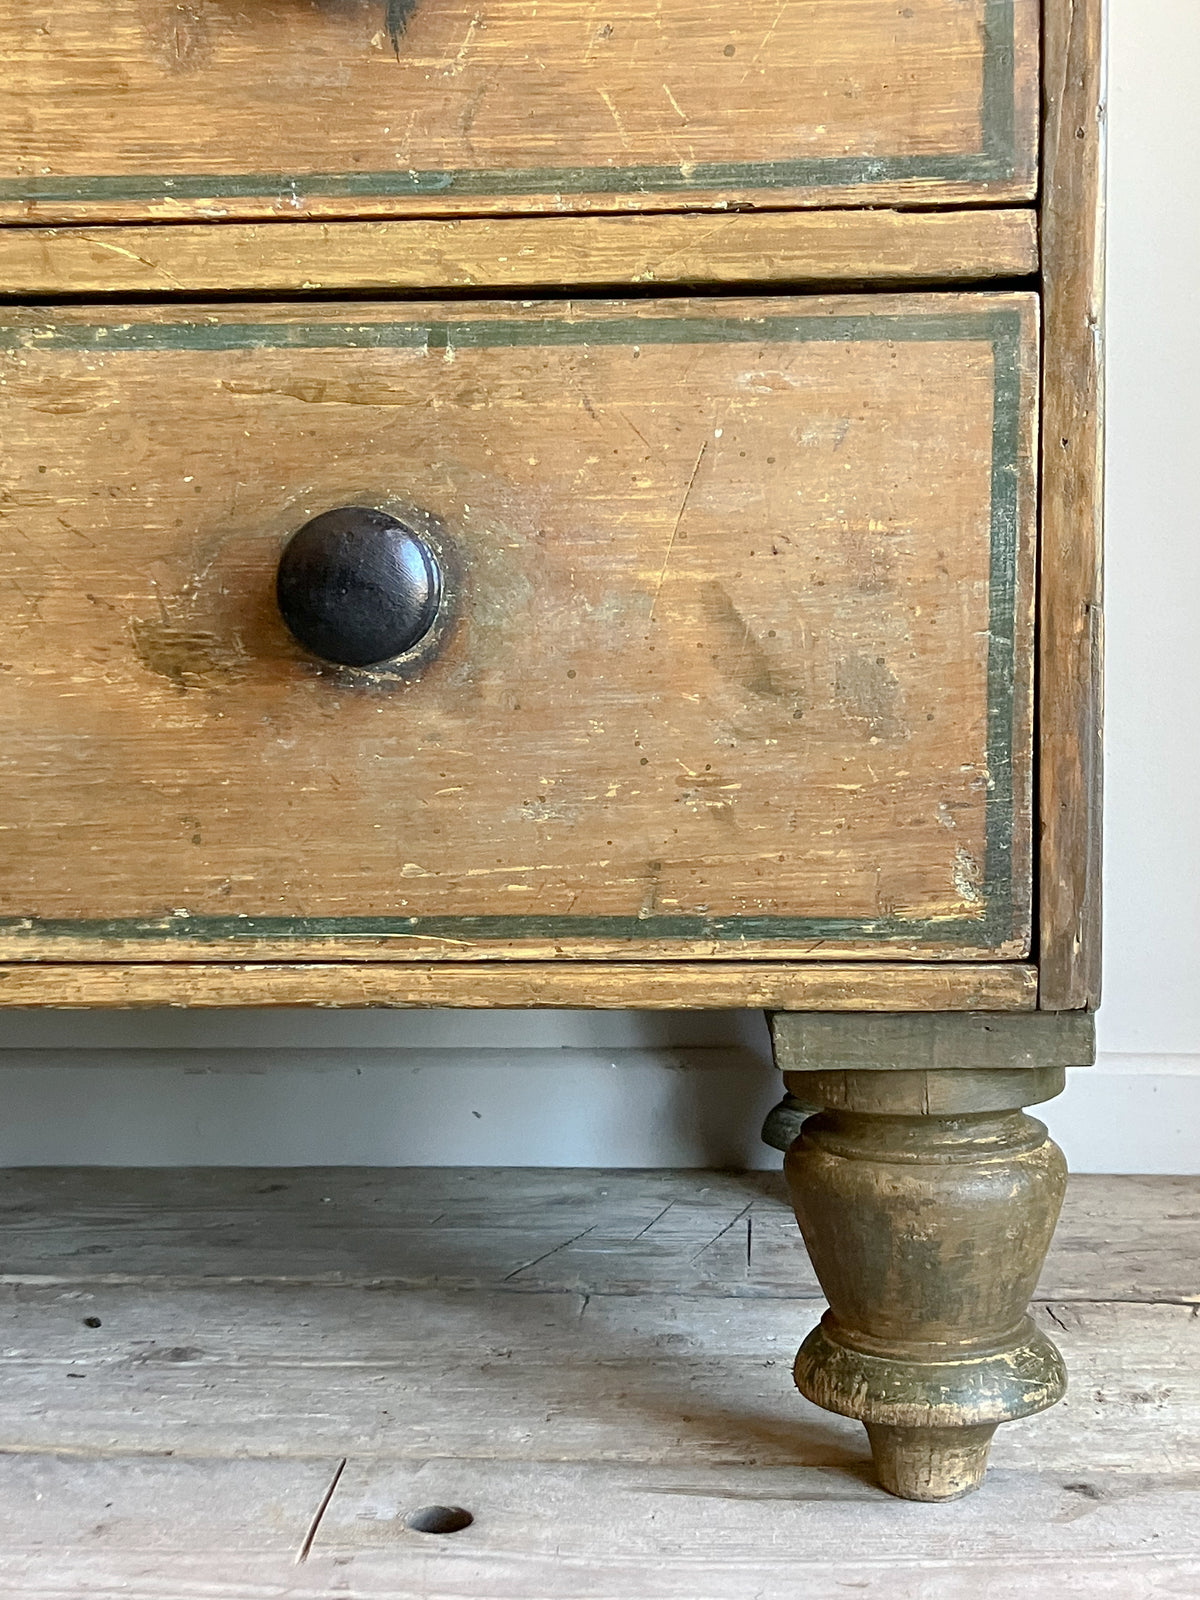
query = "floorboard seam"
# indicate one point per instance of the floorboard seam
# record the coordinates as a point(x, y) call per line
point(307, 1542)
point(449, 1286)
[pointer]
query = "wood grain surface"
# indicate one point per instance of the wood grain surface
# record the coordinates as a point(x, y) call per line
point(1071, 696)
point(908, 1042)
point(127, 109)
point(927, 1226)
point(595, 1364)
point(512, 1230)
point(663, 985)
point(768, 247)
point(737, 659)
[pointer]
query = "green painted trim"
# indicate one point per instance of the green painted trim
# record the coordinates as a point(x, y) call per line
point(833, 172)
point(995, 162)
point(1002, 616)
point(211, 332)
point(999, 327)
point(999, 114)
point(633, 929)
point(921, 1041)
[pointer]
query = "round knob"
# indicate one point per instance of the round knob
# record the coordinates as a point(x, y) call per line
point(358, 586)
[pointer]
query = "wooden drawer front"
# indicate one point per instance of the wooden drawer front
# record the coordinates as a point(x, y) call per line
point(393, 107)
point(739, 658)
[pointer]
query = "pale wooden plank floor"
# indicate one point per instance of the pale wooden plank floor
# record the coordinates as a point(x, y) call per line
point(239, 1384)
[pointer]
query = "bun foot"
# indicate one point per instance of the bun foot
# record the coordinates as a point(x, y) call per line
point(930, 1463)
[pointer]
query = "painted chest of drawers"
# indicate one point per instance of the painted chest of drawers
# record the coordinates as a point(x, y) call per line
point(523, 504)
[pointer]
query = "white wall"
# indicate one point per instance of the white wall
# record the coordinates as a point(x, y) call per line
point(1144, 1098)
point(576, 1088)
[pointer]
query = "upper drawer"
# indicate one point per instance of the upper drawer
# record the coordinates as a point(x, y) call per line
point(733, 655)
point(132, 108)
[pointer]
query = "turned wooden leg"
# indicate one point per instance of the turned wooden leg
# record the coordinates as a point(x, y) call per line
point(927, 1200)
point(784, 1122)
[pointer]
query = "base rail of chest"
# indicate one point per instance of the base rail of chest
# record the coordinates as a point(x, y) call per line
point(665, 985)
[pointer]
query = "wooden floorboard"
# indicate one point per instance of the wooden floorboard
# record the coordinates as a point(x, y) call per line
point(405, 1374)
point(220, 1386)
point(534, 1230)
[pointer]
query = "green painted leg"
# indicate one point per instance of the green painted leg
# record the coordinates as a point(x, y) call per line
point(784, 1122)
point(927, 1201)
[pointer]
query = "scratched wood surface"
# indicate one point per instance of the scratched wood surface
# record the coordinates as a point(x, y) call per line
point(399, 107)
point(740, 653)
point(313, 1355)
point(697, 985)
point(537, 1230)
point(1071, 640)
point(767, 247)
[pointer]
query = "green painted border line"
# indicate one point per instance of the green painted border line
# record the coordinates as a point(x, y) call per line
point(718, 930)
point(832, 172)
point(212, 333)
point(998, 113)
point(995, 161)
point(999, 327)
point(1002, 617)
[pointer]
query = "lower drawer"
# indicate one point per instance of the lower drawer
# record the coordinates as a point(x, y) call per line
point(732, 654)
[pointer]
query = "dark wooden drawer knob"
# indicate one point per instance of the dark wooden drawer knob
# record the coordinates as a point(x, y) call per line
point(358, 586)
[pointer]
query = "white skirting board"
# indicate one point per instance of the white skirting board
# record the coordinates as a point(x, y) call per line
point(558, 1089)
